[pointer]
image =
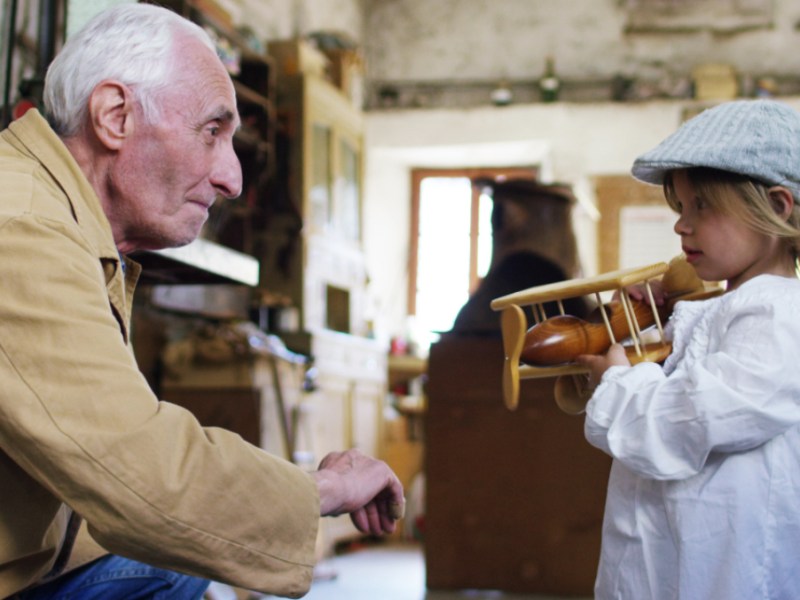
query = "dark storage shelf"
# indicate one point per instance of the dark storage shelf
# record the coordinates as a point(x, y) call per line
point(253, 75)
point(201, 262)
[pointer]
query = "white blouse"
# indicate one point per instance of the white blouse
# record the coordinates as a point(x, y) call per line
point(704, 494)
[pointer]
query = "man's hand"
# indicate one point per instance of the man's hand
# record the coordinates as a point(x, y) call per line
point(599, 363)
point(366, 488)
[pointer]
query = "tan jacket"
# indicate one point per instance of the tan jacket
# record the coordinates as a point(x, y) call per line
point(81, 430)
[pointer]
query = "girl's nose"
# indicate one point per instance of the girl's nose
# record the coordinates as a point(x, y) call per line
point(682, 226)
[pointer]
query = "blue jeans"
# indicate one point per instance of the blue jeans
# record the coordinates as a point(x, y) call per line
point(116, 578)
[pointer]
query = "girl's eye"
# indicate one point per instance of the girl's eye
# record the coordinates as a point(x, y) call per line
point(701, 204)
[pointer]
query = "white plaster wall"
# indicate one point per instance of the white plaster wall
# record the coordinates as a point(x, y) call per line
point(285, 19)
point(418, 40)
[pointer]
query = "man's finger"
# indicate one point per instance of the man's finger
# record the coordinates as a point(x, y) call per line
point(397, 510)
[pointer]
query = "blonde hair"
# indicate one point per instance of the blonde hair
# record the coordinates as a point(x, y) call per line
point(742, 198)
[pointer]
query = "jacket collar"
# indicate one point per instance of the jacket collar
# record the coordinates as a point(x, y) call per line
point(41, 142)
point(33, 136)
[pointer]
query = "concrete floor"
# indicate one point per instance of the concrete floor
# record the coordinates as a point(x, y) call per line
point(392, 571)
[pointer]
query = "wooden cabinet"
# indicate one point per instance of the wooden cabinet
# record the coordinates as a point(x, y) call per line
point(312, 245)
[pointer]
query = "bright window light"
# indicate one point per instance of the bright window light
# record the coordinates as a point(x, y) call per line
point(443, 252)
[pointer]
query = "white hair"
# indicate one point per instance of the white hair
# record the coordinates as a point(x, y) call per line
point(130, 43)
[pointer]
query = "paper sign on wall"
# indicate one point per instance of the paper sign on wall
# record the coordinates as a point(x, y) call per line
point(647, 236)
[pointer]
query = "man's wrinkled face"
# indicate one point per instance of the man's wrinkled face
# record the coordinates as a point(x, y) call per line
point(173, 169)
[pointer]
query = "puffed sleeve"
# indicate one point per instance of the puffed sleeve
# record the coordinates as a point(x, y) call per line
point(739, 391)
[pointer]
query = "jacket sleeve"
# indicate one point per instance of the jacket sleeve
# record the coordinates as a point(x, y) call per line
point(741, 394)
point(153, 485)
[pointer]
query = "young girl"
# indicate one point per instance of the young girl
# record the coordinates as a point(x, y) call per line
point(704, 494)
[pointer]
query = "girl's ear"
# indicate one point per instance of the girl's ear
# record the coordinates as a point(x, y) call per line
point(781, 200)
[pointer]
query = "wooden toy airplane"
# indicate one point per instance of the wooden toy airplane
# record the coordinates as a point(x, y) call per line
point(550, 346)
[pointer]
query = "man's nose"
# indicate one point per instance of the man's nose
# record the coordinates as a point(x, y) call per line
point(226, 177)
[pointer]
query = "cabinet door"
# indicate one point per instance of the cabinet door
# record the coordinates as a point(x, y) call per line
point(320, 194)
point(348, 209)
point(328, 416)
point(334, 130)
point(366, 403)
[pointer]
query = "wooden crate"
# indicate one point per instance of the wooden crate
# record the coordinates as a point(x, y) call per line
point(514, 500)
point(297, 57)
point(347, 73)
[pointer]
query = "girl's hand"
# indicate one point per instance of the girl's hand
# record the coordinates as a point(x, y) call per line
point(599, 363)
point(638, 292)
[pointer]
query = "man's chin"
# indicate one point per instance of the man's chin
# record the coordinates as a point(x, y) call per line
point(177, 242)
point(188, 233)
point(173, 240)
point(163, 234)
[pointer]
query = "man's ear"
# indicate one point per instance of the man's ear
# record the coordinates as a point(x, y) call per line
point(782, 201)
point(111, 113)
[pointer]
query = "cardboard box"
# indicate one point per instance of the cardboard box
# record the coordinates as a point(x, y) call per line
point(715, 82)
point(297, 56)
point(347, 72)
point(218, 11)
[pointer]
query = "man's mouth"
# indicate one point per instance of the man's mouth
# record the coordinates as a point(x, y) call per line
point(201, 202)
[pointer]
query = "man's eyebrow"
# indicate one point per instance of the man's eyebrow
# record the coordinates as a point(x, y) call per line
point(224, 114)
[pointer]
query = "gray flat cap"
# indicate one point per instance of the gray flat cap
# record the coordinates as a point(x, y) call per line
point(756, 138)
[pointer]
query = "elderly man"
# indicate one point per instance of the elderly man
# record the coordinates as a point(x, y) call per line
point(104, 491)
